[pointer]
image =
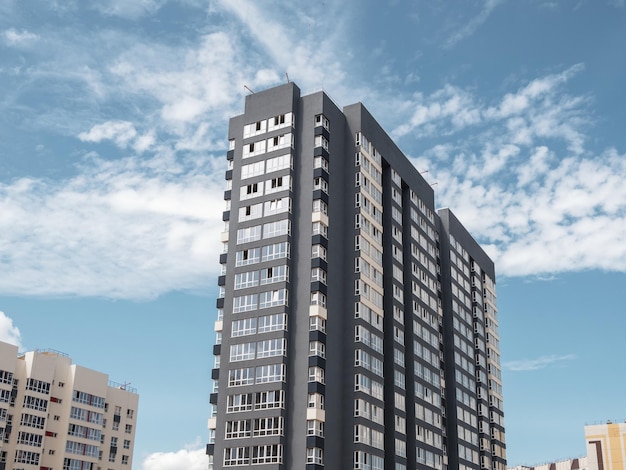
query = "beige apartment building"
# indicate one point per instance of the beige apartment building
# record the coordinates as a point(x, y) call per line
point(606, 446)
point(55, 415)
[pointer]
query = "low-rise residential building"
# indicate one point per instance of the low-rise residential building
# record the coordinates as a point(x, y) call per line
point(55, 415)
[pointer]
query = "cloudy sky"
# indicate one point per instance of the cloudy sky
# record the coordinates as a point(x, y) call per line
point(113, 119)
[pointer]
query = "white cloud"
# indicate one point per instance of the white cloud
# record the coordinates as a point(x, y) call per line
point(470, 27)
point(9, 333)
point(299, 40)
point(537, 363)
point(131, 228)
point(566, 215)
point(121, 132)
point(522, 180)
point(206, 82)
point(188, 459)
point(14, 37)
point(443, 112)
point(127, 9)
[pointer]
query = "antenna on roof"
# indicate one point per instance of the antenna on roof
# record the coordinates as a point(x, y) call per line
point(247, 88)
point(287, 75)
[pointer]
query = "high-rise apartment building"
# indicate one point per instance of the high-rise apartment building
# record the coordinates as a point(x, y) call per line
point(357, 327)
point(55, 415)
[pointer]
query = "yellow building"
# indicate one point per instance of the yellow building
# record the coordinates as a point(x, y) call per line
point(606, 446)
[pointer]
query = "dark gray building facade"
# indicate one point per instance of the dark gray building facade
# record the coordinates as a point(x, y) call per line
point(357, 326)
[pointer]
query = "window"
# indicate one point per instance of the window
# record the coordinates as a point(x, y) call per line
point(38, 386)
point(6, 377)
point(274, 274)
point(246, 257)
point(35, 403)
point(269, 399)
point(242, 352)
point(272, 347)
point(239, 402)
point(275, 229)
point(279, 142)
point(277, 206)
point(320, 228)
point(315, 400)
point(243, 327)
point(278, 163)
point(315, 455)
point(236, 456)
point(316, 374)
point(270, 373)
point(268, 426)
point(362, 434)
point(320, 162)
point(318, 298)
point(249, 234)
point(239, 377)
point(130, 413)
point(28, 457)
point(247, 279)
point(362, 461)
point(84, 415)
point(273, 298)
point(29, 420)
point(321, 141)
point(320, 206)
point(321, 120)
point(251, 190)
point(317, 348)
point(314, 428)
point(89, 450)
point(254, 169)
point(280, 121)
point(29, 439)
point(280, 183)
point(255, 148)
point(124, 459)
point(255, 128)
point(245, 303)
point(317, 324)
point(126, 443)
point(275, 322)
point(238, 429)
point(272, 453)
point(251, 212)
point(275, 251)
point(85, 432)
point(320, 183)
point(318, 251)
point(318, 274)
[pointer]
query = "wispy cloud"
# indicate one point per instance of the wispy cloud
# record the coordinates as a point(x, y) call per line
point(470, 27)
point(516, 169)
point(542, 362)
point(521, 178)
point(14, 37)
point(9, 333)
point(129, 228)
point(126, 9)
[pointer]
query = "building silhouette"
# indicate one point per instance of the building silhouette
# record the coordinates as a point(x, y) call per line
point(357, 326)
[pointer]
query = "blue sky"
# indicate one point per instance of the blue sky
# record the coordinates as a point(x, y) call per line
point(113, 119)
